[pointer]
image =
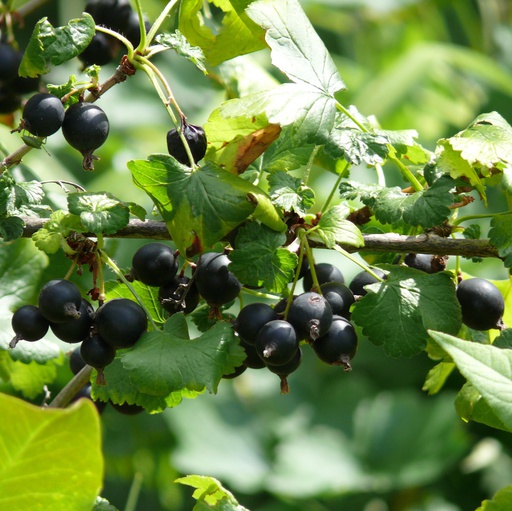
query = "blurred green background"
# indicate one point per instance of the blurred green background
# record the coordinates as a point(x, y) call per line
point(369, 440)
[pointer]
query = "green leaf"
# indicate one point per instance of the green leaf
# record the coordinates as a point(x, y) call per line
point(237, 35)
point(11, 228)
point(211, 494)
point(334, 229)
point(502, 501)
point(165, 362)
point(99, 212)
point(179, 43)
point(500, 235)
point(50, 46)
point(397, 312)
point(404, 143)
point(288, 192)
point(259, 258)
point(487, 368)
point(437, 376)
point(60, 225)
point(200, 207)
point(57, 471)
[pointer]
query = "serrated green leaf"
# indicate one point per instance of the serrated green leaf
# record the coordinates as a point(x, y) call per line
point(99, 212)
point(487, 368)
point(200, 207)
point(11, 228)
point(502, 501)
point(50, 46)
point(237, 35)
point(162, 362)
point(51, 236)
point(504, 340)
point(500, 235)
point(405, 144)
point(259, 258)
point(179, 43)
point(334, 229)
point(288, 192)
point(57, 471)
point(397, 312)
point(437, 377)
point(203, 320)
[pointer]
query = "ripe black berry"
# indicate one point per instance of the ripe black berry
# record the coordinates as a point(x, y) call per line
point(179, 295)
point(154, 264)
point(339, 297)
point(10, 100)
point(311, 316)
point(481, 303)
point(325, 272)
point(237, 372)
point(363, 279)
point(121, 322)
point(100, 50)
point(97, 353)
point(196, 139)
point(60, 300)
point(427, 263)
point(10, 60)
point(75, 329)
point(43, 114)
point(113, 14)
point(339, 345)
point(252, 359)
point(85, 128)
point(215, 283)
point(251, 318)
point(28, 324)
point(76, 362)
point(283, 371)
point(276, 342)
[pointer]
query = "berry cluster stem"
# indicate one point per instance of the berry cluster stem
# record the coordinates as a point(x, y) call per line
point(64, 397)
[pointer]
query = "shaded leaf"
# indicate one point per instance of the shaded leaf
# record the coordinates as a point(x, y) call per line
point(179, 43)
point(288, 193)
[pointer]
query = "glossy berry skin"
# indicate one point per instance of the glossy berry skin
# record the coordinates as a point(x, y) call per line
point(121, 322)
point(113, 14)
point(196, 139)
point(60, 300)
point(85, 128)
point(215, 283)
point(43, 114)
point(283, 371)
point(276, 342)
point(75, 330)
point(96, 352)
point(339, 345)
point(171, 294)
point(363, 279)
point(481, 303)
point(325, 272)
point(76, 362)
point(427, 263)
point(28, 324)
point(154, 264)
point(311, 316)
point(252, 359)
point(339, 297)
point(251, 318)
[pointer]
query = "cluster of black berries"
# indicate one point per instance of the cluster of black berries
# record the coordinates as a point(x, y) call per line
point(116, 15)
point(13, 86)
point(84, 125)
point(116, 324)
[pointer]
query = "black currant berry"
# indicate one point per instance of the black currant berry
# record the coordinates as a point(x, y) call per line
point(339, 345)
point(10, 100)
point(76, 362)
point(276, 342)
point(339, 297)
point(252, 359)
point(113, 14)
point(427, 263)
point(311, 316)
point(325, 272)
point(481, 303)
point(121, 322)
point(215, 283)
point(25, 84)
point(10, 60)
point(132, 29)
point(97, 353)
point(100, 50)
point(283, 371)
point(77, 329)
point(127, 409)
point(179, 295)
point(363, 279)
point(154, 264)
point(237, 372)
point(85, 128)
point(43, 114)
point(28, 324)
point(60, 300)
point(251, 318)
point(196, 139)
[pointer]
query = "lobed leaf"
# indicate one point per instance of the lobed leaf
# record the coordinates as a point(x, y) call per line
point(288, 193)
point(500, 235)
point(334, 229)
point(501, 501)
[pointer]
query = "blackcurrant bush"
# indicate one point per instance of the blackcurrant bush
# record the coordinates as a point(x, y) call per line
point(76, 362)
point(179, 295)
point(339, 297)
point(100, 50)
point(481, 303)
point(10, 60)
point(214, 281)
point(196, 138)
point(127, 409)
point(362, 279)
point(427, 263)
point(325, 272)
point(339, 345)
point(251, 318)
point(252, 359)
point(60, 300)
point(28, 324)
point(154, 264)
point(121, 322)
point(96, 352)
point(43, 114)
point(311, 316)
point(77, 329)
point(85, 128)
point(283, 371)
point(276, 342)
